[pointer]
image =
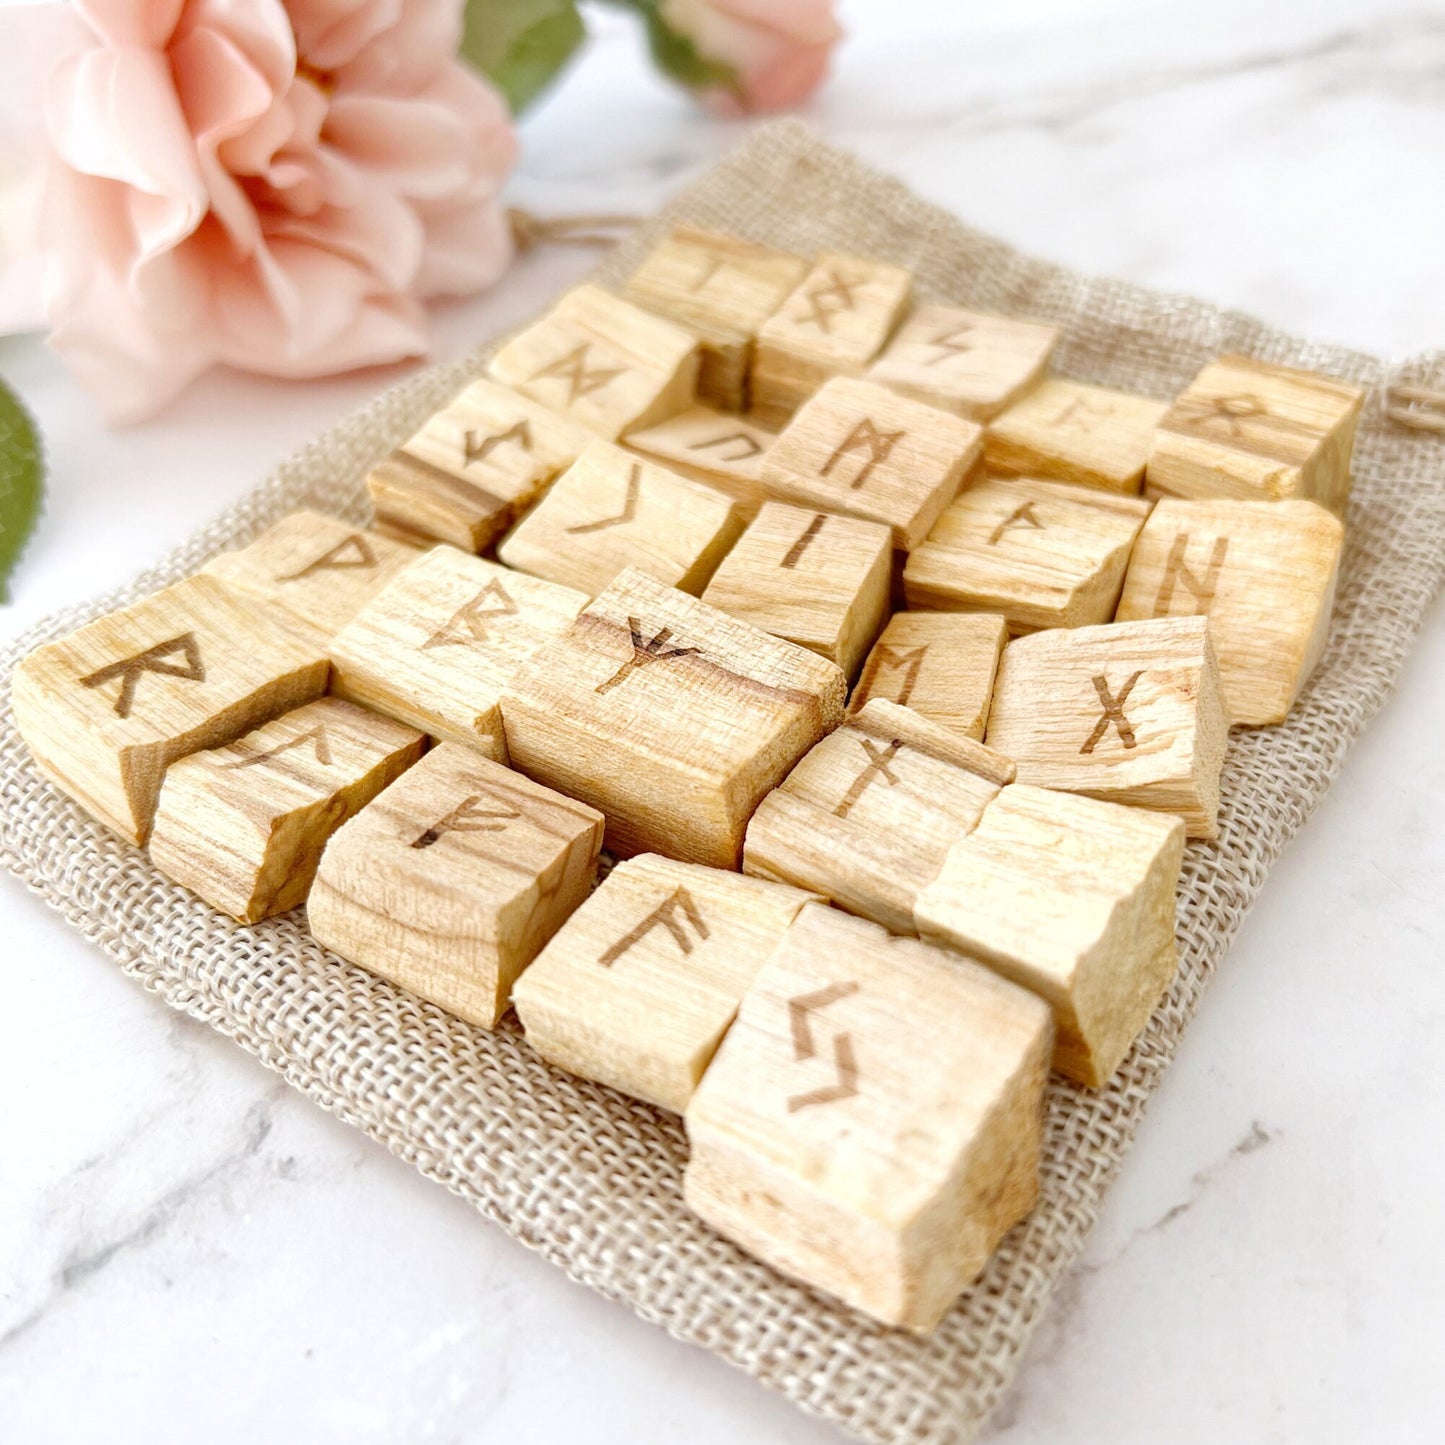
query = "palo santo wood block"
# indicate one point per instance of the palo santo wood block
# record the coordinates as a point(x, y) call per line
point(818, 580)
point(965, 362)
point(833, 324)
point(611, 510)
point(723, 289)
point(1045, 554)
point(939, 664)
point(1088, 435)
point(1130, 712)
point(868, 816)
point(474, 467)
point(1074, 899)
point(243, 825)
point(602, 362)
point(671, 717)
point(436, 647)
point(1263, 572)
point(723, 450)
point(316, 572)
point(1244, 428)
point(451, 881)
point(871, 1123)
point(639, 985)
point(865, 451)
point(107, 709)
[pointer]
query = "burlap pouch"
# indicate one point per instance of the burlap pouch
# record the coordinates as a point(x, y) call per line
point(592, 1179)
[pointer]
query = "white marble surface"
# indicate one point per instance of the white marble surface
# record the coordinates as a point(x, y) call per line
point(188, 1251)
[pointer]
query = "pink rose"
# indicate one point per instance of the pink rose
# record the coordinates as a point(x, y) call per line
point(275, 185)
point(778, 49)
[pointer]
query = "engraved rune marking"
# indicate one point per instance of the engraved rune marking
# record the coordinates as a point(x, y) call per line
point(879, 758)
point(129, 670)
point(1021, 516)
point(572, 369)
point(320, 743)
point(1113, 713)
point(472, 815)
point(805, 540)
point(864, 437)
point(478, 446)
point(1176, 573)
point(750, 446)
point(352, 551)
point(644, 651)
point(826, 301)
point(1080, 412)
point(629, 506)
point(805, 1047)
point(673, 913)
point(711, 266)
point(471, 621)
point(907, 662)
point(948, 343)
point(1233, 412)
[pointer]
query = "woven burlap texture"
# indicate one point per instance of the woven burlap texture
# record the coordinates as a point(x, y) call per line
point(590, 1178)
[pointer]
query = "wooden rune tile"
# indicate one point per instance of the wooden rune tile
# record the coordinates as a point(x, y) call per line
point(819, 580)
point(1130, 712)
point(474, 467)
point(243, 825)
point(313, 572)
point(1072, 432)
point(965, 362)
point(1247, 429)
point(865, 451)
point(637, 988)
point(1074, 899)
point(721, 288)
point(939, 664)
point(611, 510)
point(671, 717)
point(871, 1124)
point(715, 447)
point(868, 815)
point(603, 363)
point(435, 648)
point(1045, 554)
point(450, 882)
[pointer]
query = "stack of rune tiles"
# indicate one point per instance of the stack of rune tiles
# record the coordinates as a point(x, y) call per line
point(882, 868)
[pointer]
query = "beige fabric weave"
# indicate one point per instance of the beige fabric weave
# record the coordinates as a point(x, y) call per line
point(591, 1179)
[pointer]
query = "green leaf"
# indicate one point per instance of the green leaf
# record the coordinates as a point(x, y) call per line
point(21, 468)
point(676, 54)
point(521, 45)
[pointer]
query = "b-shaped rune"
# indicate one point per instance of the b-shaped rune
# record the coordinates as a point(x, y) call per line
point(106, 709)
point(874, 1097)
point(450, 882)
point(709, 446)
point(642, 981)
point(243, 825)
point(1130, 712)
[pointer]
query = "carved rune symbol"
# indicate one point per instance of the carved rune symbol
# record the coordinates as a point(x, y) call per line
point(1080, 412)
point(1021, 516)
point(672, 913)
point(826, 301)
point(1176, 573)
point(472, 815)
point(572, 369)
point(750, 446)
point(151, 660)
point(470, 622)
point(879, 757)
point(907, 662)
point(864, 437)
point(320, 743)
point(1233, 412)
point(1113, 713)
point(805, 540)
point(805, 1048)
point(948, 343)
point(478, 446)
point(653, 649)
point(352, 551)
point(629, 506)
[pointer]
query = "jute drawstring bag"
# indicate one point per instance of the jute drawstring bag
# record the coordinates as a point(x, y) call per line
point(592, 1179)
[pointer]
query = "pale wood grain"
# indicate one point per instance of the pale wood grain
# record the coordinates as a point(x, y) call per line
point(715, 447)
